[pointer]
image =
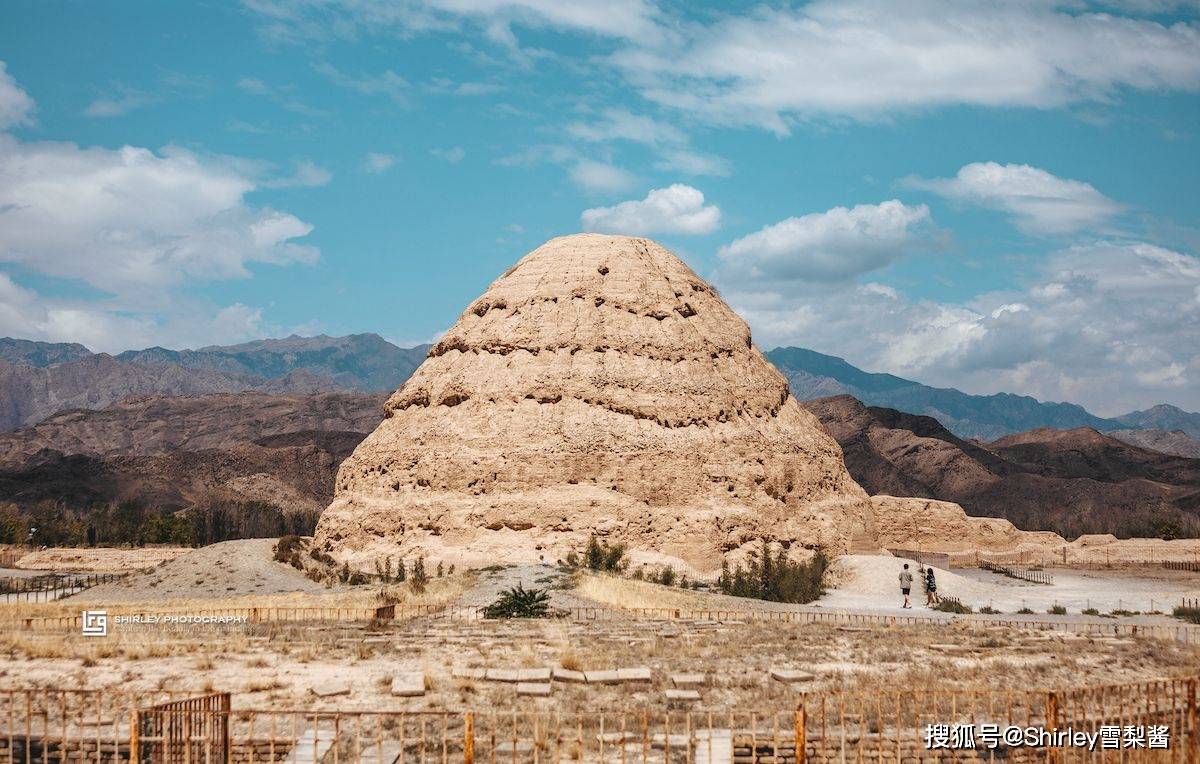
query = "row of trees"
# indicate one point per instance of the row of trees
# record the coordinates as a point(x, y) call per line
point(776, 578)
point(132, 523)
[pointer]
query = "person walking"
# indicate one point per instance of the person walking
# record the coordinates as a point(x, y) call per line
point(931, 595)
point(906, 579)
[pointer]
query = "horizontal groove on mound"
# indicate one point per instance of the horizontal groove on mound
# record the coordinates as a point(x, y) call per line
point(508, 348)
point(422, 401)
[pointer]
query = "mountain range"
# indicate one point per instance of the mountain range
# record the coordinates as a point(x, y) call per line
point(1071, 481)
point(39, 379)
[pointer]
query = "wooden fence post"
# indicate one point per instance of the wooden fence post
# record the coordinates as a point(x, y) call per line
point(134, 754)
point(1051, 724)
point(469, 737)
point(801, 732)
point(1193, 722)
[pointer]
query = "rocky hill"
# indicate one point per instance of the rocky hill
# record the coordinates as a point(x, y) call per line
point(1164, 417)
point(38, 379)
point(1176, 442)
point(172, 452)
point(815, 375)
point(363, 362)
point(1072, 482)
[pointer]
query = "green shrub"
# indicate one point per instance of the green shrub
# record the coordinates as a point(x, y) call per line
point(952, 606)
point(989, 610)
point(1090, 611)
point(1057, 610)
point(1187, 613)
point(519, 602)
point(775, 577)
point(599, 555)
point(1024, 611)
point(419, 579)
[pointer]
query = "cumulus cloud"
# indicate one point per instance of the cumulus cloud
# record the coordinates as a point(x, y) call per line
point(1109, 324)
point(1040, 202)
point(835, 245)
point(670, 143)
point(676, 209)
point(860, 58)
point(132, 221)
point(16, 107)
point(305, 174)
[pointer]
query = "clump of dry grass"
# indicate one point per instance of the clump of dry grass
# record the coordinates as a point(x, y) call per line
point(631, 594)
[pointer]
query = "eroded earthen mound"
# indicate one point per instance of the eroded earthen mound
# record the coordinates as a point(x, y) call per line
point(597, 386)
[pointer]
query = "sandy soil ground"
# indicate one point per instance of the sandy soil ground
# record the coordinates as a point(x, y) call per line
point(228, 569)
point(866, 582)
point(98, 560)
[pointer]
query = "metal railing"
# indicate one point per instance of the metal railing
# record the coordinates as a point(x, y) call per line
point(53, 586)
point(892, 726)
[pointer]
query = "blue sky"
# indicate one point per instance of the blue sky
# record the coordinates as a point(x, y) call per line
point(988, 196)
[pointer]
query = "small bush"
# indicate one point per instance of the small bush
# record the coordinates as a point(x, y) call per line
point(1024, 611)
point(419, 579)
point(952, 606)
point(776, 578)
point(1057, 610)
point(989, 610)
point(1191, 614)
point(667, 576)
point(286, 547)
point(519, 602)
point(600, 556)
point(1090, 611)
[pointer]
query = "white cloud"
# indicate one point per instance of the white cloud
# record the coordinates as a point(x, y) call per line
point(1113, 325)
point(676, 209)
point(601, 176)
point(453, 155)
point(376, 163)
point(16, 107)
point(621, 124)
point(1040, 202)
point(692, 163)
point(827, 246)
point(133, 222)
point(861, 58)
point(116, 105)
point(295, 20)
point(305, 174)
point(386, 83)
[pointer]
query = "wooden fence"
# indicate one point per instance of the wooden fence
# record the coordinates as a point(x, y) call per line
point(1158, 717)
point(1194, 567)
point(47, 588)
point(1022, 574)
point(1187, 634)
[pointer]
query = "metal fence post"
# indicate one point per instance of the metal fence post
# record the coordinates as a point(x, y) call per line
point(134, 753)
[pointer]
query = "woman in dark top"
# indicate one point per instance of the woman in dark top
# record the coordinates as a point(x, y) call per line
point(931, 595)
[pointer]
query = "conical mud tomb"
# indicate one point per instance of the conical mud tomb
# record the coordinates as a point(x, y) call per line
point(598, 386)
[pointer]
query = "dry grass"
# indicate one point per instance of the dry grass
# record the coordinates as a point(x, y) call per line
point(631, 594)
point(438, 592)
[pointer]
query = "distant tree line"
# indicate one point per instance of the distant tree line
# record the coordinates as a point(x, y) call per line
point(132, 523)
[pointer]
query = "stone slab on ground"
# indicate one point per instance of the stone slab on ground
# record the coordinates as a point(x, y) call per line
point(469, 673)
point(536, 689)
point(408, 685)
point(311, 745)
point(688, 680)
point(503, 675)
point(602, 677)
point(792, 675)
point(639, 674)
point(387, 752)
point(330, 689)
point(533, 675)
point(568, 675)
point(683, 695)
